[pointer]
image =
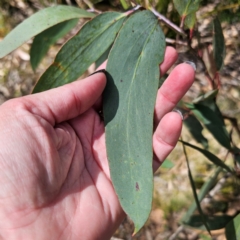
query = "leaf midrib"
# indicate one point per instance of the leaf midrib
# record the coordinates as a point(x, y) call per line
point(133, 79)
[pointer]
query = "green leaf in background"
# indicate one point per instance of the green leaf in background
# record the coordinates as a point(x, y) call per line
point(214, 222)
point(202, 216)
point(186, 7)
point(189, 21)
point(162, 6)
point(195, 128)
point(125, 4)
point(81, 51)
point(214, 159)
point(187, 218)
point(128, 106)
point(209, 99)
point(37, 23)
point(232, 230)
point(206, 97)
point(167, 164)
point(218, 44)
point(212, 122)
point(43, 41)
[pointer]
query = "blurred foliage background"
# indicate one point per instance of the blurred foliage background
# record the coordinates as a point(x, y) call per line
point(173, 191)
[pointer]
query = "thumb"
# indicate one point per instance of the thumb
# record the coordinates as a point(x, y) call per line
point(68, 101)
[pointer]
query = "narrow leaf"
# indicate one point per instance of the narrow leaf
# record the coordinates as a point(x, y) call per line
point(125, 4)
point(81, 51)
point(43, 41)
point(214, 222)
point(206, 97)
point(37, 23)
point(218, 44)
point(214, 159)
point(232, 230)
point(129, 99)
point(209, 99)
point(202, 193)
point(203, 218)
point(212, 122)
point(195, 128)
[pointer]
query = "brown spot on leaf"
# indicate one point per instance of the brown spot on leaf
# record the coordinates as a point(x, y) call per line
point(137, 186)
point(58, 65)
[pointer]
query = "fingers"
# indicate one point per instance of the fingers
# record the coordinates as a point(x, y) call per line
point(170, 58)
point(173, 89)
point(165, 137)
point(66, 102)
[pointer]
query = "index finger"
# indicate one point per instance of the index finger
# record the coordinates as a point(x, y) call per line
point(66, 102)
point(173, 89)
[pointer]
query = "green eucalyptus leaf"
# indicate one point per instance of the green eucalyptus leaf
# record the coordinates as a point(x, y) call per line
point(212, 122)
point(214, 159)
point(190, 20)
point(43, 41)
point(214, 222)
point(128, 106)
point(232, 230)
point(207, 186)
point(202, 216)
point(81, 51)
point(206, 97)
point(186, 7)
point(195, 128)
point(209, 99)
point(218, 44)
point(162, 6)
point(167, 164)
point(37, 23)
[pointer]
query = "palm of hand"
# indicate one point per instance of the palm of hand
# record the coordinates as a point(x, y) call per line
point(67, 187)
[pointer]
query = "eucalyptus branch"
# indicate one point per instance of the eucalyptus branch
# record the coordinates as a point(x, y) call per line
point(168, 22)
point(178, 231)
point(94, 10)
point(134, 9)
point(173, 41)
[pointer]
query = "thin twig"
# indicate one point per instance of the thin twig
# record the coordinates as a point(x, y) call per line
point(219, 185)
point(173, 41)
point(174, 235)
point(168, 22)
point(94, 10)
point(69, 2)
point(134, 9)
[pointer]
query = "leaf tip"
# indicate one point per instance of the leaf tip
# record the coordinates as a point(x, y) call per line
point(136, 229)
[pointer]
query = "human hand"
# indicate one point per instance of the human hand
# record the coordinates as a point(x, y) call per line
point(55, 180)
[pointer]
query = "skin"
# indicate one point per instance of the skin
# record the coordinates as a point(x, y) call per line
point(54, 178)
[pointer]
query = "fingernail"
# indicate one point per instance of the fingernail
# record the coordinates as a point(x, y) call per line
point(192, 64)
point(101, 70)
point(179, 112)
